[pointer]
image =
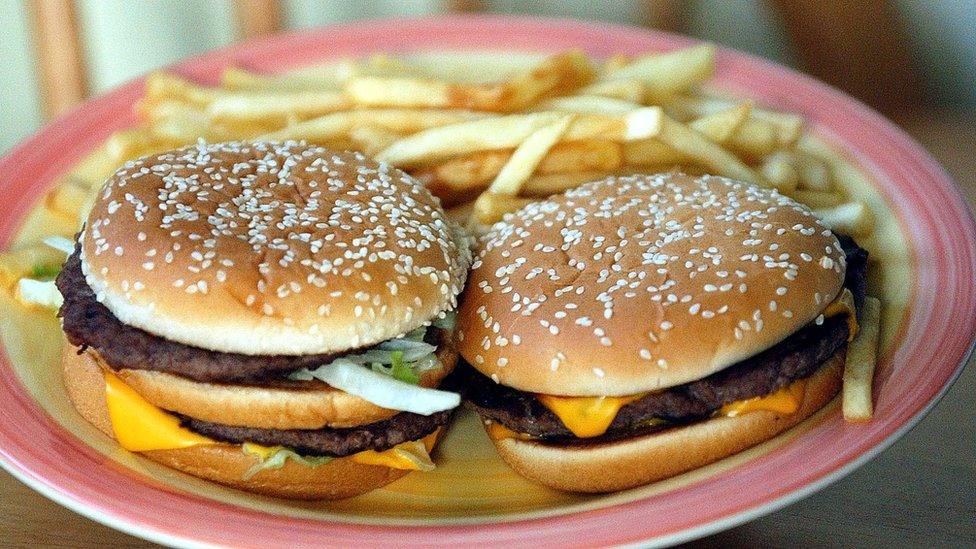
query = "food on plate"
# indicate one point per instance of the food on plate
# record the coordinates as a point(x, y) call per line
point(642, 326)
point(487, 135)
point(861, 360)
point(276, 317)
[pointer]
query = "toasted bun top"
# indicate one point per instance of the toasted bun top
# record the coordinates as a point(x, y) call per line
point(271, 248)
point(638, 283)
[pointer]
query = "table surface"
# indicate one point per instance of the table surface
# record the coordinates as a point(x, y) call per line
point(920, 492)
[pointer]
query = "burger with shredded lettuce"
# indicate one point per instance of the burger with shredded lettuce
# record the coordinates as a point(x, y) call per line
point(275, 317)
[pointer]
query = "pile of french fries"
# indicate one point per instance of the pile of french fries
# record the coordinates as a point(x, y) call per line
point(487, 133)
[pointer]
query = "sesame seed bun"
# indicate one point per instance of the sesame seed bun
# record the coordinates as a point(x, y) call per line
point(639, 283)
point(271, 249)
point(227, 464)
point(610, 466)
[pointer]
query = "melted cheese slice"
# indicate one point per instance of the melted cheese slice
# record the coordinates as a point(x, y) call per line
point(413, 455)
point(140, 426)
point(586, 417)
point(786, 400)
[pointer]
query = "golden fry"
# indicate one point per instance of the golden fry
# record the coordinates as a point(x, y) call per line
point(862, 357)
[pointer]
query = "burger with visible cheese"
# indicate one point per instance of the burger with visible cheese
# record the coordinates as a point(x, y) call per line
point(275, 317)
point(639, 327)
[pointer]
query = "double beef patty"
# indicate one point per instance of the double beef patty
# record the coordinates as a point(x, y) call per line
point(796, 357)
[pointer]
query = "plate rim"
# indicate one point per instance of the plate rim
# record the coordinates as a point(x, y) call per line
point(566, 25)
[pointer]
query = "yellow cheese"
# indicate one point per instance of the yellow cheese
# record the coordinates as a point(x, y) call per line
point(413, 455)
point(784, 401)
point(497, 431)
point(586, 416)
point(140, 426)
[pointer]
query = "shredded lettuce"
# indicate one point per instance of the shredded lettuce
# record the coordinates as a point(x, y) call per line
point(398, 369)
point(44, 272)
point(274, 457)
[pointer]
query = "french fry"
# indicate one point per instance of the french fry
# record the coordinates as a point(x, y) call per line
point(527, 157)
point(851, 218)
point(862, 357)
point(701, 150)
point(546, 185)
point(649, 152)
point(557, 74)
point(755, 139)
point(589, 104)
point(668, 74)
point(219, 104)
point(371, 139)
point(435, 144)
point(491, 207)
point(818, 199)
point(400, 121)
point(721, 126)
point(503, 132)
point(587, 155)
point(779, 171)
point(238, 79)
point(624, 89)
point(471, 66)
point(476, 170)
point(764, 126)
point(67, 199)
point(814, 173)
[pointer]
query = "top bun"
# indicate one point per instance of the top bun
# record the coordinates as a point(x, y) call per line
point(271, 248)
point(639, 283)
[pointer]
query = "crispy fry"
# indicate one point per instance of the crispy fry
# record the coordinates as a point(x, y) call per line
point(862, 357)
point(649, 152)
point(67, 199)
point(527, 157)
point(701, 150)
point(546, 185)
point(491, 207)
point(779, 170)
point(814, 173)
point(851, 218)
point(721, 126)
point(436, 144)
point(238, 79)
point(557, 74)
point(476, 170)
point(624, 89)
point(589, 104)
point(818, 199)
point(336, 126)
point(671, 73)
point(764, 126)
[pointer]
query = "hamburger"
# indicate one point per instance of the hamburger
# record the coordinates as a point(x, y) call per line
point(639, 327)
point(276, 317)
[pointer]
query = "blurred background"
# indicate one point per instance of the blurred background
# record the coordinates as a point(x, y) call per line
point(901, 56)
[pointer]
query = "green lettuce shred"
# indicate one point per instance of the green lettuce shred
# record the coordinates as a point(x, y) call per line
point(277, 459)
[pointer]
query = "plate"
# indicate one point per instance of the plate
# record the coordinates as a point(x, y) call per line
point(925, 270)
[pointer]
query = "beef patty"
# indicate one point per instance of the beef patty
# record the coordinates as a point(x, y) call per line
point(796, 357)
point(88, 323)
point(378, 436)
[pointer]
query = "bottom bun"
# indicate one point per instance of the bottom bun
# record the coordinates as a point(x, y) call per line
point(622, 464)
point(227, 464)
